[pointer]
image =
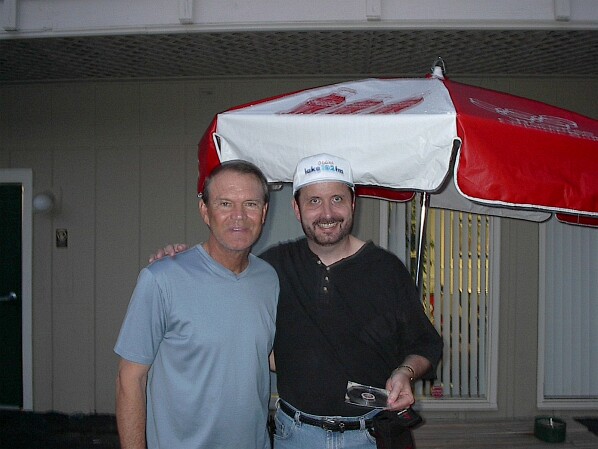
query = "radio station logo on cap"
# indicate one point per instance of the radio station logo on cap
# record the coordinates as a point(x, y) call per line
point(324, 166)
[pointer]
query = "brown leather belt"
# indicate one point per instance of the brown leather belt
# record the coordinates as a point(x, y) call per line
point(331, 424)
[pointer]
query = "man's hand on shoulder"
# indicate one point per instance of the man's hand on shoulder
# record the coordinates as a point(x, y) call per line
point(168, 250)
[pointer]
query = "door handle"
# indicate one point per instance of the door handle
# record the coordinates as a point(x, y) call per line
point(12, 296)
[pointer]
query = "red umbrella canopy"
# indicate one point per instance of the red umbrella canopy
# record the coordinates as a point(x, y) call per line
point(400, 136)
point(519, 152)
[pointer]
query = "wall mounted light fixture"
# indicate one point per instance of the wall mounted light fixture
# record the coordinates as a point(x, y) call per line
point(46, 202)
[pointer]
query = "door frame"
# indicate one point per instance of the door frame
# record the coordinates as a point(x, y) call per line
point(24, 176)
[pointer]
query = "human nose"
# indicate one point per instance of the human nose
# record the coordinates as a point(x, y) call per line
point(327, 208)
point(238, 212)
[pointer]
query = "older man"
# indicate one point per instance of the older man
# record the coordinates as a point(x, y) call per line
point(195, 341)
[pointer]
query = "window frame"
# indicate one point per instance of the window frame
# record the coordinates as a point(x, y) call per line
point(489, 402)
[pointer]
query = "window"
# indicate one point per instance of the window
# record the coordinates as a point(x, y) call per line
point(568, 354)
point(460, 264)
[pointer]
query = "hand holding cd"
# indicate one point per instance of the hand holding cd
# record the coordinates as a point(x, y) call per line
point(366, 396)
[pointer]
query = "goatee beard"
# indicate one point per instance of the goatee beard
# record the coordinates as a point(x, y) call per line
point(311, 233)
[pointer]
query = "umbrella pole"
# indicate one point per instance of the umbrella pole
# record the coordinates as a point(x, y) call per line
point(425, 204)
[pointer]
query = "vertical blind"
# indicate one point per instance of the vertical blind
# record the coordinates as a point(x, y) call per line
point(455, 293)
point(569, 268)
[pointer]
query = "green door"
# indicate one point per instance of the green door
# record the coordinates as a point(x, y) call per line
point(11, 354)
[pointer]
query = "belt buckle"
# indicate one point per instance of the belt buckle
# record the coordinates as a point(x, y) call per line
point(333, 425)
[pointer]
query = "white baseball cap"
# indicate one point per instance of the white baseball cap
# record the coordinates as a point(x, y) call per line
point(322, 168)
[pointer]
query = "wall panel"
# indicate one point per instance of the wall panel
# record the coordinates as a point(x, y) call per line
point(117, 114)
point(27, 116)
point(73, 114)
point(73, 282)
point(162, 114)
point(116, 257)
point(161, 198)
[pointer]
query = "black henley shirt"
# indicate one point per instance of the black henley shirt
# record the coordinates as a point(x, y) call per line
point(355, 320)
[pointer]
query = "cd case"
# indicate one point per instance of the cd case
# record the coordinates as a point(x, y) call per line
point(366, 396)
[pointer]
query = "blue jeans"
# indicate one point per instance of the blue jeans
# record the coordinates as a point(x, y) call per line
point(293, 434)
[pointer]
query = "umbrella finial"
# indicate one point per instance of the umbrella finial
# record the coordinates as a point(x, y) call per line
point(439, 68)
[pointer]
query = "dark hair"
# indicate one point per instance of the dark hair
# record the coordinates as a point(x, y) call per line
point(237, 166)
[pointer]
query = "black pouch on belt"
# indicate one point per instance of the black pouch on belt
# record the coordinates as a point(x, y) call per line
point(392, 429)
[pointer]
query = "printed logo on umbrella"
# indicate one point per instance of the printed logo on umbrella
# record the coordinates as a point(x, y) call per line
point(547, 123)
point(335, 103)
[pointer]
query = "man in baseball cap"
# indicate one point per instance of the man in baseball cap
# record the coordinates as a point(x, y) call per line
point(348, 311)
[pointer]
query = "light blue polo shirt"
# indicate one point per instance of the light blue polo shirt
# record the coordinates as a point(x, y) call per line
point(207, 334)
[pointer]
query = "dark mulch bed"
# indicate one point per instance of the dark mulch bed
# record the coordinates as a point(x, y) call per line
point(591, 422)
point(29, 430)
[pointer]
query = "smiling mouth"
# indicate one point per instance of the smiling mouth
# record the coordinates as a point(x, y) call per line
point(327, 225)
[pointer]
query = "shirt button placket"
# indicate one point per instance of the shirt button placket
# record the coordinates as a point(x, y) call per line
point(326, 282)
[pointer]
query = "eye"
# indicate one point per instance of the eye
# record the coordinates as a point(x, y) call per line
point(252, 204)
point(224, 203)
point(314, 200)
point(337, 199)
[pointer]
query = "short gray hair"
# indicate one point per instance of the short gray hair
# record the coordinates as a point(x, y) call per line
point(238, 166)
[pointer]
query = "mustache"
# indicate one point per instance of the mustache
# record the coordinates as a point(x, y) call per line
point(328, 221)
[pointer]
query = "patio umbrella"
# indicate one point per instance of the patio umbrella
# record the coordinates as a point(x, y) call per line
point(464, 147)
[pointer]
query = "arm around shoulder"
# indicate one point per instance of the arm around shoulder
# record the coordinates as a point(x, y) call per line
point(131, 404)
